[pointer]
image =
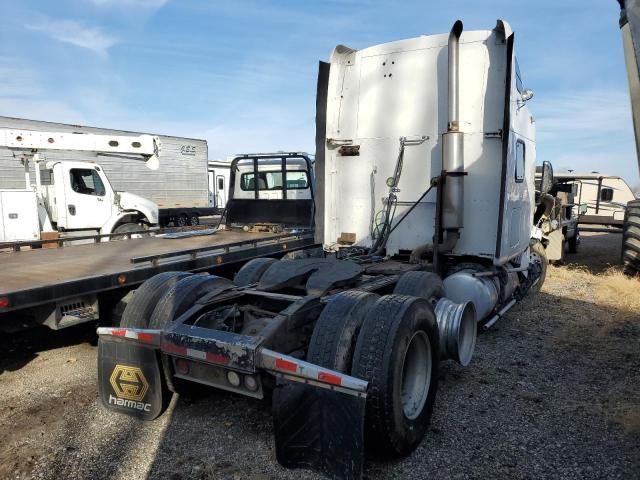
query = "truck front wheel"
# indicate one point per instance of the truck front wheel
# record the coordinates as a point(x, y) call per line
point(538, 264)
point(397, 353)
point(573, 242)
point(125, 230)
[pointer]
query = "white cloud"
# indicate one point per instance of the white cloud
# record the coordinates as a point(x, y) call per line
point(584, 114)
point(143, 4)
point(589, 130)
point(75, 33)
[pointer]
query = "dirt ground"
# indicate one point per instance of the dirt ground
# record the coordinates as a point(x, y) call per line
point(553, 392)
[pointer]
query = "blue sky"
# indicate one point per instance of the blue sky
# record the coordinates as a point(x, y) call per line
point(242, 73)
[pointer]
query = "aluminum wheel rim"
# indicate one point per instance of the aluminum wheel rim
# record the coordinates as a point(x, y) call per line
point(467, 332)
point(416, 375)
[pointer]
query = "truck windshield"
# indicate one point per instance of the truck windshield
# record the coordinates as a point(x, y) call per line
point(86, 181)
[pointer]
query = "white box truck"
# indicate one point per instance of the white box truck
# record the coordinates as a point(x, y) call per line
point(179, 187)
point(71, 196)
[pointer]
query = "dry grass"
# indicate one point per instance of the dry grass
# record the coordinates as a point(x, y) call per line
point(600, 311)
point(608, 289)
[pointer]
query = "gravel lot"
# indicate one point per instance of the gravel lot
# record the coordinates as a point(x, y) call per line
point(553, 392)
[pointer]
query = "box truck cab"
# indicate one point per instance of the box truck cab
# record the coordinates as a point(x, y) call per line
point(78, 196)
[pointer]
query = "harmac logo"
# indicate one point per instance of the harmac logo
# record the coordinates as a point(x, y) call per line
point(130, 387)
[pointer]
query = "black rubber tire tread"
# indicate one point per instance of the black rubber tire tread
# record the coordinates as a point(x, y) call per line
point(631, 231)
point(181, 220)
point(336, 331)
point(427, 285)
point(127, 227)
point(538, 248)
point(381, 342)
point(573, 243)
point(252, 271)
point(633, 220)
point(181, 297)
point(631, 239)
point(139, 310)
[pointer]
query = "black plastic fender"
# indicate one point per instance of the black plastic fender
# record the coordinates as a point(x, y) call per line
point(319, 429)
point(130, 380)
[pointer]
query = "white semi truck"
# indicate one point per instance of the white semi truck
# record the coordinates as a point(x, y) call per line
point(70, 196)
point(423, 206)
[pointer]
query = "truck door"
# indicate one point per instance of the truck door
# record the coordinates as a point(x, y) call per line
point(221, 191)
point(88, 200)
point(211, 174)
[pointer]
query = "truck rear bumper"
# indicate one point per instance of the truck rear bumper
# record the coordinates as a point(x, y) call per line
point(240, 353)
point(318, 414)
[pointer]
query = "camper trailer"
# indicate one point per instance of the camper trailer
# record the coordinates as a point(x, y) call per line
point(603, 198)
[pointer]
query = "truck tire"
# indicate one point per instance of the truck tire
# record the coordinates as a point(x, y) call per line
point(336, 331)
point(397, 352)
point(181, 296)
point(181, 220)
point(177, 300)
point(138, 311)
point(252, 271)
point(427, 285)
point(194, 220)
point(573, 242)
point(538, 255)
point(125, 229)
point(631, 239)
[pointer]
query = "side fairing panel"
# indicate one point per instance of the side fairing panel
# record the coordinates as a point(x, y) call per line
point(514, 232)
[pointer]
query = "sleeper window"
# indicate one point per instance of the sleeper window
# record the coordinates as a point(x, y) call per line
point(520, 161)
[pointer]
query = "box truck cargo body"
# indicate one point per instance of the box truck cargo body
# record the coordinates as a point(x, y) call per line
point(179, 187)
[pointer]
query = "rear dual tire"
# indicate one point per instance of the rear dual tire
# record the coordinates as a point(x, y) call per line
point(396, 352)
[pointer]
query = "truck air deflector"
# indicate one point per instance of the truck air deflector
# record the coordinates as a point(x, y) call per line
point(504, 29)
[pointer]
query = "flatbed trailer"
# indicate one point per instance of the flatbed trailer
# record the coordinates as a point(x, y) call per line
point(64, 286)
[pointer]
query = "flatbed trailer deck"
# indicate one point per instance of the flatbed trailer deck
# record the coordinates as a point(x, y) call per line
point(49, 278)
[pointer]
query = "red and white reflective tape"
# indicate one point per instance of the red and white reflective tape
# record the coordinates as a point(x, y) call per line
point(208, 357)
point(293, 367)
point(146, 336)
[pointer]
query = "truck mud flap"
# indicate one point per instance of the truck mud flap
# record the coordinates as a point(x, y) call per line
point(319, 429)
point(130, 380)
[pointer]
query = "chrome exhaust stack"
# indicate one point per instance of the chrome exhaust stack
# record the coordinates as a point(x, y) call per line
point(453, 145)
point(458, 330)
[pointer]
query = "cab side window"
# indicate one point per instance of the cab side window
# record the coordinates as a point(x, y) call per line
point(86, 181)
